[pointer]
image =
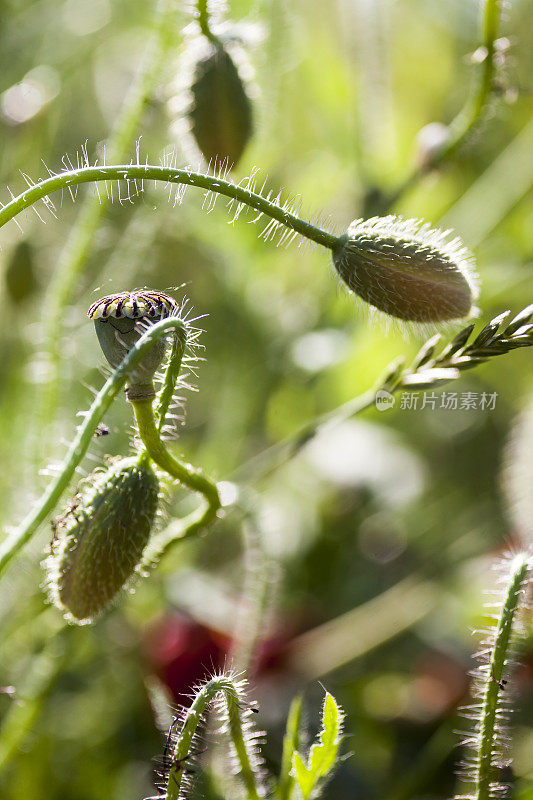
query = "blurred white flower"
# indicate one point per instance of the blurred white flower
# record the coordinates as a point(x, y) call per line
point(359, 453)
point(24, 100)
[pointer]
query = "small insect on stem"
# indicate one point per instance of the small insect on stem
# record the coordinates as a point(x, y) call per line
point(501, 683)
point(166, 751)
point(101, 430)
point(248, 707)
point(177, 764)
point(60, 520)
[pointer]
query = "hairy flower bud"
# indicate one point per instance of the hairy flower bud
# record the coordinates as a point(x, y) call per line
point(116, 320)
point(220, 113)
point(100, 538)
point(407, 269)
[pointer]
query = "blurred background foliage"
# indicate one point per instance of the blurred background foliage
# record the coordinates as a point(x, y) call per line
point(402, 509)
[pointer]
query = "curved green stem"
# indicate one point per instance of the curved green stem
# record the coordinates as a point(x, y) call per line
point(202, 9)
point(140, 172)
point(74, 254)
point(172, 374)
point(491, 703)
point(225, 685)
point(185, 473)
point(472, 112)
point(14, 541)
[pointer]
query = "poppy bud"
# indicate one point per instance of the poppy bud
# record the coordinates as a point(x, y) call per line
point(99, 540)
point(116, 320)
point(220, 113)
point(20, 276)
point(407, 269)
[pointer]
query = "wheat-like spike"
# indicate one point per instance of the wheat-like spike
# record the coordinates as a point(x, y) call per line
point(429, 369)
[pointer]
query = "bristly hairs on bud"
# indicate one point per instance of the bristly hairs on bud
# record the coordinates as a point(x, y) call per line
point(193, 478)
point(225, 693)
point(120, 319)
point(407, 269)
point(488, 742)
point(100, 538)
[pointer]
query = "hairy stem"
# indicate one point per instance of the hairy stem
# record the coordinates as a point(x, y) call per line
point(14, 541)
point(226, 686)
point(140, 172)
point(74, 255)
point(172, 374)
point(518, 573)
point(185, 473)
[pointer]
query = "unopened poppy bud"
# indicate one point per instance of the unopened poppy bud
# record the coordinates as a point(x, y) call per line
point(116, 320)
point(100, 538)
point(407, 269)
point(220, 113)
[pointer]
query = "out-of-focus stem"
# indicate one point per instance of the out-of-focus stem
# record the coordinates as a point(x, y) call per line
point(74, 255)
point(473, 110)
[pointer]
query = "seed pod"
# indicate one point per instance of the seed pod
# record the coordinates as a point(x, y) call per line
point(407, 269)
point(116, 320)
point(99, 540)
point(220, 113)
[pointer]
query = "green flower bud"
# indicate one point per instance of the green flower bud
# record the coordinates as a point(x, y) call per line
point(116, 320)
point(220, 113)
point(99, 540)
point(407, 269)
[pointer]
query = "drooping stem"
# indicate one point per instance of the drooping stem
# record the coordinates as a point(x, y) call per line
point(14, 541)
point(473, 110)
point(141, 172)
point(204, 20)
point(494, 677)
point(475, 106)
point(258, 587)
point(225, 685)
point(185, 473)
point(74, 255)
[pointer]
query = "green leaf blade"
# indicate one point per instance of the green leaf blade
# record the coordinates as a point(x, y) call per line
point(323, 753)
